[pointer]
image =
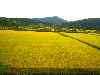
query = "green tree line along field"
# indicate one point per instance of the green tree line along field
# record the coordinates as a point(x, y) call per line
point(50, 24)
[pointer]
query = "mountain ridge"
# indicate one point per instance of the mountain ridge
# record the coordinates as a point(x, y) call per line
point(53, 20)
point(90, 23)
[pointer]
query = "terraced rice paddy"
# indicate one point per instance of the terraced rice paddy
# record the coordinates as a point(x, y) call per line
point(28, 49)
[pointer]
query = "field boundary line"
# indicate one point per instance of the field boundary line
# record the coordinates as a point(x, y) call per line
point(89, 44)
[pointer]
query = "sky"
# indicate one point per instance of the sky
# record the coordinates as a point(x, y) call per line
point(66, 9)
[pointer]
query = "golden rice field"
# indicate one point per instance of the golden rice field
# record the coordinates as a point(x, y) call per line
point(90, 38)
point(28, 49)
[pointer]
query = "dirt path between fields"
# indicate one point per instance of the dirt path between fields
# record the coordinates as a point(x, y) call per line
point(89, 44)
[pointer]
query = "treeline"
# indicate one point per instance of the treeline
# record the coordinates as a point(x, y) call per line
point(22, 24)
point(85, 25)
point(90, 23)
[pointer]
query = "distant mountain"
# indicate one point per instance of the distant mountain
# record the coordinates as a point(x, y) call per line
point(52, 20)
point(90, 23)
point(27, 21)
point(19, 21)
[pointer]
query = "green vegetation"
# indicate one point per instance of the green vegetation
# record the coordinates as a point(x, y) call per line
point(49, 24)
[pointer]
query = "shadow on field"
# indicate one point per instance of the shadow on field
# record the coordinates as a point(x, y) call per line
point(94, 46)
point(49, 71)
point(97, 34)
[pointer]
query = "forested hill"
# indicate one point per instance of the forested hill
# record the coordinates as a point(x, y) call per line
point(90, 23)
point(19, 21)
point(53, 20)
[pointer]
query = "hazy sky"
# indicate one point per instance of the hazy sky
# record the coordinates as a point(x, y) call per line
point(67, 9)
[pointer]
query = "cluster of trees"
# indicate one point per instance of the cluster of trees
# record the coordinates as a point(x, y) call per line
point(22, 24)
point(92, 24)
point(88, 25)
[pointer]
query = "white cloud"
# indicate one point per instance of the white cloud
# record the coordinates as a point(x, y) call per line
point(67, 9)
